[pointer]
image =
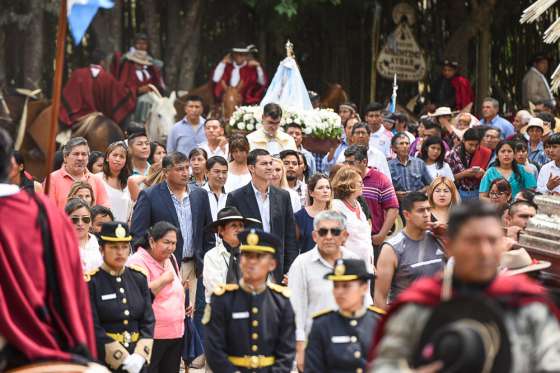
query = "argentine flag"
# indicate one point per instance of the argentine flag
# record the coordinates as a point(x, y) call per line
point(81, 13)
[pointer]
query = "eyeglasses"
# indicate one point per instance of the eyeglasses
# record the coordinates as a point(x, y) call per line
point(335, 232)
point(496, 194)
point(84, 219)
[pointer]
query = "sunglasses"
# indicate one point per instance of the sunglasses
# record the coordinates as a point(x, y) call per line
point(84, 219)
point(335, 232)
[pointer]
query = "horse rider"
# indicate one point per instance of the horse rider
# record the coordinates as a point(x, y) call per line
point(137, 69)
point(250, 326)
point(241, 70)
point(93, 89)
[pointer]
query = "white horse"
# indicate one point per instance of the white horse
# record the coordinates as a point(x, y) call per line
point(161, 116)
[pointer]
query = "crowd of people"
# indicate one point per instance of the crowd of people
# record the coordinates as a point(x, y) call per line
point(241, 251)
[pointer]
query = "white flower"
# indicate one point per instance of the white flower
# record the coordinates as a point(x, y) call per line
point(247, 116)
point(250, 127)
point(232, 121)
point(241, 125)
point(307, 130)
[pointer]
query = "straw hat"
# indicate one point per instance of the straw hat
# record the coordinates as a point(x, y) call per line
point(140, 57)
point(519, 261)
point(536, 122)
point(442, 111)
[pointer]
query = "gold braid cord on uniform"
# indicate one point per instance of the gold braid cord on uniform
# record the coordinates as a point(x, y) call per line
point(115, 354)
point(144, 348)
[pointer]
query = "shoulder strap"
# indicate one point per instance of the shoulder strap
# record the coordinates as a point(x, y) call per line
point(175, 265)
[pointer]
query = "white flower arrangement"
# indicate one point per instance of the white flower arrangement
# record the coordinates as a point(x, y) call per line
point(246, 118)
point(323, 124)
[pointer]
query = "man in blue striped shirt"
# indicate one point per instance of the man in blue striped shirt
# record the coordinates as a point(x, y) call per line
point(188, 133)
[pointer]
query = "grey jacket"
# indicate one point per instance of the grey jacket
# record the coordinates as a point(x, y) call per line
point(534, 88)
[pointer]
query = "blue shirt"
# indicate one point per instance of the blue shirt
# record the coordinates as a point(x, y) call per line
point(339, 149)
point(183, 210)
point(184, 138)
point(505, 126)
point(310, 159)
point(538, 156)
point(409, 177)
point(526, 181)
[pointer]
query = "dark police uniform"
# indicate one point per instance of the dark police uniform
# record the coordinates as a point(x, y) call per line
point(122, 311)
point(250, 331)
point(339, 342)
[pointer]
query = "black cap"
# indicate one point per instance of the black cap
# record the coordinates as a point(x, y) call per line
point(115, 231)
point(349, 270)
point(257, 240)
point(450, 63)
point(229, 214)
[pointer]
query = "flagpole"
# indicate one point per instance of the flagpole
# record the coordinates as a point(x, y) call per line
point(57, 88)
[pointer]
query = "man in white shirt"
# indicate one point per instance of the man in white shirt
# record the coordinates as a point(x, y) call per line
point(216, 143)
point(311, 292)
point(549, 176)
point(380, 138)
point(216, 172)
point(376, 159)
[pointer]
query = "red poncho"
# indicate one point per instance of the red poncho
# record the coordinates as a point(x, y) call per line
point(84, 94)
point(30, 315)
point(515, 291)
point(464, 94)
point(125, 72)
point(251, 91)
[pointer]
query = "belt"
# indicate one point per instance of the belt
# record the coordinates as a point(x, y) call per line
point(125, 337)
point(252, 362)
point(187, 259)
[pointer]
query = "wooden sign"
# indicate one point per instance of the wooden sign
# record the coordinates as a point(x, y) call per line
point(401, 54)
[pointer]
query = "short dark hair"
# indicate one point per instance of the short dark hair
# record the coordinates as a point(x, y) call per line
point(254, 154)
point(472, 134)
point(272, 110)
point(468, 210)
point(93, 157)
point(238, 142)
point(397, 136)
point(549, 104)
point(357, 126)
point(98, 56)
point(198, 151)
point(5, 155)
point(193, 98)
point(359, 152)
point(135, 135)
point(433, 140)
point(220, 122)
point(411, 198)
point(514, 206)
point(215, 160)
point(554, 139)
point(156, 231)
point(430, 125)
point(374, 106)
point(547, 117)
point(288, 152)
point(172, 159)
point(99, 210)
point(140, 36)
point(293, 125)
point(72, 143)
point(489, 128)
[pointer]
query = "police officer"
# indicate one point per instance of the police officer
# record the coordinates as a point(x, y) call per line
point(250, 327)
point(339, 340)
point(121, 304)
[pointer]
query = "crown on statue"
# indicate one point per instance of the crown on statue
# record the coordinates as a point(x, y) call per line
point(290, 49)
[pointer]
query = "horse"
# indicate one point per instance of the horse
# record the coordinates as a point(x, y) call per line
point(333, 97)
point(162, 117)
point(231, 100)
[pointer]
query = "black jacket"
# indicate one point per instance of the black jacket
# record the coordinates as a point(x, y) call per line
point(155, 204)
point(282, 222)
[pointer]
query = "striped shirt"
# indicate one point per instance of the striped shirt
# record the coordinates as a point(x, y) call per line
point(380, 196)
point(183, 210)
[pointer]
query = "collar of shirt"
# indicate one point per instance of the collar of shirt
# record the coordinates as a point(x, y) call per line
point(145, 255)
point(236, 66)
point(316, 256)
point(379, 132)
point(95, 70)
point(490, 122)
point(7, 190)
point(65, 173)
point(206, 187)
point(199, 125)
point(540, 148)
point(408, 160)
point(173, 196)
point(258, 194)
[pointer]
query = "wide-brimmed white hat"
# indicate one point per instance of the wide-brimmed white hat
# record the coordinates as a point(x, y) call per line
point(140, 57)
point(536, 122)
point(442, 111)
point(519, 261)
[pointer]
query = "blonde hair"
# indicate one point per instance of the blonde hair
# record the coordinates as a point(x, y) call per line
point(343, 182)
point(283, 181)
point(455, 198)
point(76, 186)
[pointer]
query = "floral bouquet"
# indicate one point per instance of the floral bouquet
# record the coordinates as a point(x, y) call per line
point(246, 119)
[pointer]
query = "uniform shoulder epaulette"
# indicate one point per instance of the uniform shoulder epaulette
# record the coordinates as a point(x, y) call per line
point(377, 310)
point(324, 312)
point(142, 270)
point(88, 275)
point(222, 288)
point(280, 289)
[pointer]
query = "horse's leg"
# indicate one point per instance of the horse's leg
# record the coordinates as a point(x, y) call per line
point(39, 129)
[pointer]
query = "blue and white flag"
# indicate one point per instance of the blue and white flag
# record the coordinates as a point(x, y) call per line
point(81, 13)
point(393, 102)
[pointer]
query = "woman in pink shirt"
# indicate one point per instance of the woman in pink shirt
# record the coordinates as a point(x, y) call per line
point(156, 256)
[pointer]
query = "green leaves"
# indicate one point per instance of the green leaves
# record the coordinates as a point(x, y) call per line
point(289, 8)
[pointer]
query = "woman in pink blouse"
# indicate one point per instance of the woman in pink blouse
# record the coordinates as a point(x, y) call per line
point(156, 256)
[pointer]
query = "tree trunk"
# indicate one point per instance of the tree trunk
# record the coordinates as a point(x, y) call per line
point(483, 86)
point(34, 47)
point(182, 60)
point(152, 21)
point(191, 51)
point(107, 29)
point(3, 46)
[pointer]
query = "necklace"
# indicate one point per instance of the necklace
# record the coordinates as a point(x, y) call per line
point(355, 209)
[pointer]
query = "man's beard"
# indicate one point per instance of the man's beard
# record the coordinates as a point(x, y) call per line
point(291, 177)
